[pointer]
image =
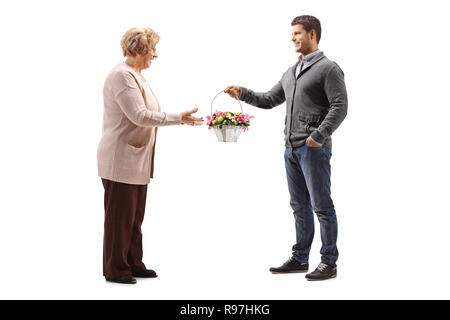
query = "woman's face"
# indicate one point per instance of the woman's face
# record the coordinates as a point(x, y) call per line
point(146, 59)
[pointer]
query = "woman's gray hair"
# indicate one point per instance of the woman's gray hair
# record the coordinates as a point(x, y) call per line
point(138, 41)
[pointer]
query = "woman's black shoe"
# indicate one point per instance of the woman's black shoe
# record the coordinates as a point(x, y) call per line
point(145, 274)
point(124, 279)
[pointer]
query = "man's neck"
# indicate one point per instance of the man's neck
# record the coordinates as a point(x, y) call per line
point(308, 53)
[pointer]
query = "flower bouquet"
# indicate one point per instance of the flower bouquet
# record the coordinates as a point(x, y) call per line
point(227, 125)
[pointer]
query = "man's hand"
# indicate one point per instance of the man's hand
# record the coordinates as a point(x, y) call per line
point(233, 91)
point(311, 143)
point(187, 118)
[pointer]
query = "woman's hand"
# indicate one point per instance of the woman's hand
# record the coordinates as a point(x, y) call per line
point(233, 91)
point(187, 118)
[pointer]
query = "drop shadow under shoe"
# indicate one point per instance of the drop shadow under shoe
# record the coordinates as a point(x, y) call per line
point(323, 272)
point(291, 266)
point(145, 274)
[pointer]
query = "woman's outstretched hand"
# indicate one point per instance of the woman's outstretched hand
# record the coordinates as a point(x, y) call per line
point(187, 118)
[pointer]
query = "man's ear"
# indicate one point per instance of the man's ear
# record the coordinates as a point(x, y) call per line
point(312, 34)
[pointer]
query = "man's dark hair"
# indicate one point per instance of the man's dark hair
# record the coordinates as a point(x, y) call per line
point(309, 23)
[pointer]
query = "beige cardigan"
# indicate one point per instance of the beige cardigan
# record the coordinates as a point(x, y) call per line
point(131, 114)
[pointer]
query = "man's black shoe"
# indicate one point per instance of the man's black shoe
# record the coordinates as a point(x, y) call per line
point(323, 271)
point(291, 266)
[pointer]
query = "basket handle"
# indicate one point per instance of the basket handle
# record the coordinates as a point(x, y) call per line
point(215, 99)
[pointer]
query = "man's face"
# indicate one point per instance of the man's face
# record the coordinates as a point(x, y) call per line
point(301, 39)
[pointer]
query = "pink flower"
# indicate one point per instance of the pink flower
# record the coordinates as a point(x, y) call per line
point(208, 120)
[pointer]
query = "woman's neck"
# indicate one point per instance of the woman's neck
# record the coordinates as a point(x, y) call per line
point(134, 64)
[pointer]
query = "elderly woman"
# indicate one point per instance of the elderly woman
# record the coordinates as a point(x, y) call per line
point(125, 154)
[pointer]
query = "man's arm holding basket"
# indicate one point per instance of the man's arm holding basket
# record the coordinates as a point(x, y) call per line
point(264, 100)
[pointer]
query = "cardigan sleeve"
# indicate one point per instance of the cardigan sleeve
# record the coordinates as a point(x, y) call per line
point(264, 100)
point(129, 97)
point(336, 92)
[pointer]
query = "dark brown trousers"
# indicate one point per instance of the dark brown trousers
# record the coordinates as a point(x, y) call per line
point(122, 241)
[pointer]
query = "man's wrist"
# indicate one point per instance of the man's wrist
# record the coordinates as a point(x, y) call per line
point(242, 93)
point(317, 137)
point(320, 144)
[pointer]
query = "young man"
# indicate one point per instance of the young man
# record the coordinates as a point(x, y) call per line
point(316, 104)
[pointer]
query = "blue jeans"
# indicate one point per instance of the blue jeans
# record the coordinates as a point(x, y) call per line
point(308, 174)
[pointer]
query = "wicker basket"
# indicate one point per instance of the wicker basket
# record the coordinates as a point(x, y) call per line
point(227, 133)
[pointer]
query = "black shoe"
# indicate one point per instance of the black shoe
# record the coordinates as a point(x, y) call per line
point(124, 279)
point(145, 274)
point(291, 266)
point(323, 271)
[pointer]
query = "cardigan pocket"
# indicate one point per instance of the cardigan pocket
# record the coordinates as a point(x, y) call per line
point(136, 157)
point(309, 122)
point(137, 146)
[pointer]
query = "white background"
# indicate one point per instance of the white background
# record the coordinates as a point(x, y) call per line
point(218, 215)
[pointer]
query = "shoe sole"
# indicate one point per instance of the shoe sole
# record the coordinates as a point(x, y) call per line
point(112, 281)
point(121, 282)
point(331, 277)
point(294, 271)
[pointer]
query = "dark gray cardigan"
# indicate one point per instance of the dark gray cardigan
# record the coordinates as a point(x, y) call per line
point(316, 102)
